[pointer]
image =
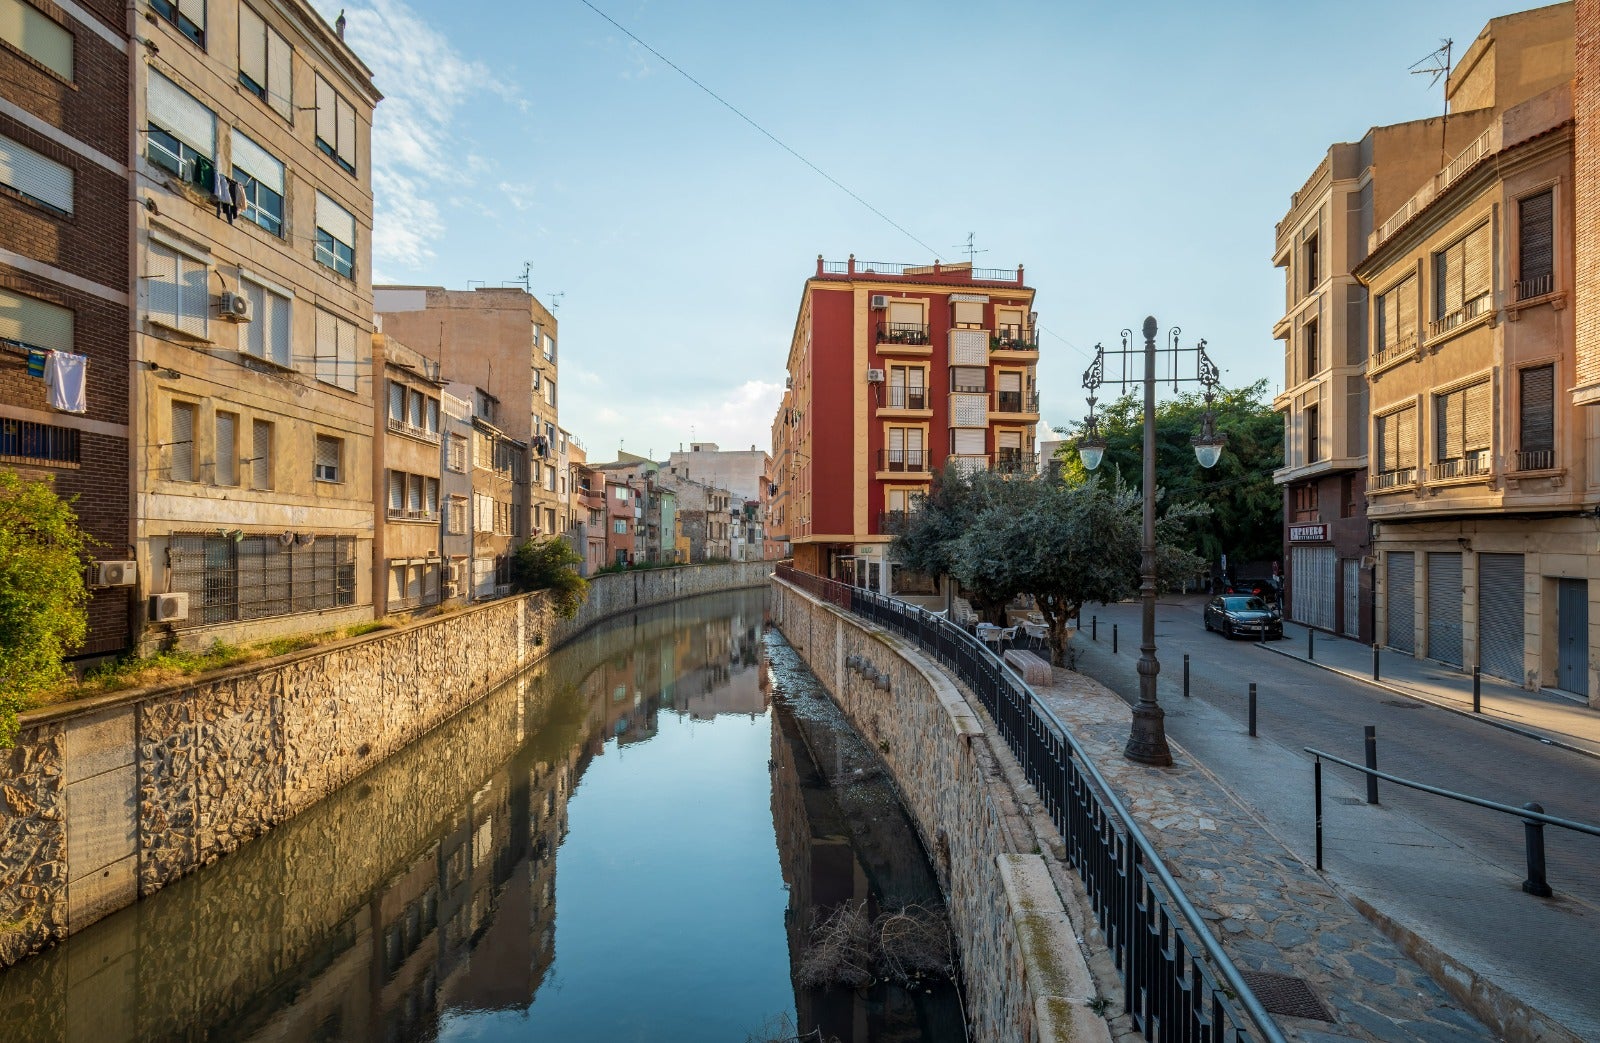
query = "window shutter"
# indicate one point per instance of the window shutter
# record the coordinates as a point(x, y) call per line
point(1478, 417)
point(35, 323)
point(897, 439)
point(261, 454)
point(35, 175)
point(336, 220)
point(227, 449)
point(430, 502)
point(1447, 281)
point(969, 441)
point(252, 335)
point(413, 492)
point(914, 439)
point(905, 313)
point(195, 11)
point(172, 109)
point(969, 378)
point(1538, 409)
point(280, 75)
point(1406, 307)
point(327, 117)
point(1009, 380)
point(347, 132)
point(1008, 439)
point(252, 45)
point(327, 459)
point(327, 348)
point(397, 401)
point(37, 36)
point(194, 296)
point(1406, 437)
point(969, 313)
point(182, 442)
point(433, 415)
point(347, 355)
point(1476, 264)
point(914, 379)
point(274, 320)
point(1536, 237)
point(257, 162)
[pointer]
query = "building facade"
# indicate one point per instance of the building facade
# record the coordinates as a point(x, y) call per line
point(894, 371)
point(456, 494)
point(407, 463)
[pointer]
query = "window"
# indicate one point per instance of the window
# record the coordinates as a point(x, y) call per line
point(261, 454)
point(182, 133)
point(336, 351)
point(1461, 280)
point(482, 450)
point(1461, 429)
point(27, 442)
point(1313, 356)
point(1536, 418)
point(261, 575)
point(188, 15)
point(336, 237)
point(905, 449)
point(549, 348)
point(226, 450)
point(973, 379)
point(180, 443)
point(968, 315)
point(1313, 435)
point(177, 295)
point(549, 392)
point(262, 177)
point(550, 478)
point(266, 336)
point(37, 36)
point(32, 323)
point(38, 179)
point(458, 516)
point(1397, 318)
point(329, 465)
point(1535, 245)
point(336, 126)
point(550, 519)
point(264, 63)
point(1304, 499)
point(483, 512)
point(619, 526)
point(1347, 497)
point(458, 453)
point(1397, 442)
point(1313, 265)
point(623, 494)
point(906, 387)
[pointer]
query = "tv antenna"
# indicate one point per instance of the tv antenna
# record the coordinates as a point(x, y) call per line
point(527, 277)
point(1436, 65)
point(969, 249)
point(555, 300)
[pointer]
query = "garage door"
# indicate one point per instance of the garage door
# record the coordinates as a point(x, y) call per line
point(1352, 597)
point(1500, 615)
point(1444, 608)
point(1312, 586)
point(1400, 574)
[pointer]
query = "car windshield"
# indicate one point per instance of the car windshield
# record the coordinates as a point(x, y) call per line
point(1251, 604)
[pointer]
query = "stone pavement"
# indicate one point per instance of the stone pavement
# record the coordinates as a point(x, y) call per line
point(1270, 911)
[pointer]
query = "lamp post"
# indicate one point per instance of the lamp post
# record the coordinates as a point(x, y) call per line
point(1147, 741)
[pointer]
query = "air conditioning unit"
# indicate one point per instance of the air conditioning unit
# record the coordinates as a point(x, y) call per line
point(113, 574)
point(449, 590)
point(235, 307)
point(879, 301)
point(169, 608)
point(874, 376)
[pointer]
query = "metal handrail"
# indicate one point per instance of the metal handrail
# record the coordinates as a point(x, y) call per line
point(983, 669)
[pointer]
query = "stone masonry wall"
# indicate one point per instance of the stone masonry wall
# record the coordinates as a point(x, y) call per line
point(1024, 976)
point(107, 800)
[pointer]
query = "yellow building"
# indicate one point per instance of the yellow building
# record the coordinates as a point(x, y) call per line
point(252, 400)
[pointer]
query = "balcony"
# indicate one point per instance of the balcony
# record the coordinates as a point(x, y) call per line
point(1536, 460)
point(903, 333)
point(1486, 143)
point(412, 515)
point(1015, 403)
point(400, 427)
point(1397, 479)
point(1014, 338)
point(937, 272)
point(903, 461)
point(1015, 461)
point(1475, 464)
point(900, 397)
point(1479, 305)
point(1384, 355)
point(1538, 286)
point(892, 523)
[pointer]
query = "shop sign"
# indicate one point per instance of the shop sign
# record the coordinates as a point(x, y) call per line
point(1317, 533)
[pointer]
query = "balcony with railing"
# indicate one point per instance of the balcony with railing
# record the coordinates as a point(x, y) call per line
point(892, 523)
point(1015, 403)
point(1538, 286)
point(913, 461)
point(900, 396)
point(938, 272)
point(1014, 338)
point(412, 514)
point(401, 427)
point(1015, 461)
point(1485, 145)
point(1399, 478)
point(1476, 464)
point(1479, 305)
point(1403, 346)
point(910, 333)
point(1536, 460)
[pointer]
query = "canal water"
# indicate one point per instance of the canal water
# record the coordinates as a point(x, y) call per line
point(632, 841)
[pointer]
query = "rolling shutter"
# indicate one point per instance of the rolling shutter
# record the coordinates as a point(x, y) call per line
point(261, 454)
point(1538, 433)
point(181, 443)
point(1405, 427)
point(969, 313)
point(257, 162)
point(1008, 440)
point(37, 36)
point(1008, 380)
point(280, 75)
point(1444, 608)
point(174, 111)
point(336, 220)
point(347, 355)
point(327, 348)
point(905, 314)
point(969, 378)
point(327, 114)
point(1500, 615)
point(252, 45)
point(226, 451)
point(347, 132)
point(397, 401)
point(1535, 239)
point(36, 323)
point(195, 11)
point(969, 441)
point(35, 175)
point(1476, 264)
point(1479, 422)
point(1311, 585)
point(1352, 598)
point(1400, 569)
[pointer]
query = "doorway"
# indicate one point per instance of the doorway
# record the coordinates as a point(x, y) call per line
point(1572, 636)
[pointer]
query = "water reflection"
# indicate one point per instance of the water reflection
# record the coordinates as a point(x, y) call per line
point(421, 903)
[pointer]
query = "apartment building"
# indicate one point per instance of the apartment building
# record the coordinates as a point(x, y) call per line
point(744, 473)
point(503, 341)
point(1586, 199)
point(894, 370)
point(704, 517)
point(406, 472)
point(621, 525)
point(456, 493)
point(252, 406)
point(589, 521)
point(780, 478)
point(1485, 473)
point(64, 305)
point(499, 506)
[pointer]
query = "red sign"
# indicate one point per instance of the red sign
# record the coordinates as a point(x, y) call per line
point(1317, 533)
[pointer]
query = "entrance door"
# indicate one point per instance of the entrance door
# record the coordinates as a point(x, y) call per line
point(1572, 636)
point(1500, 615)
point(1311, 579)
point(1352, 597)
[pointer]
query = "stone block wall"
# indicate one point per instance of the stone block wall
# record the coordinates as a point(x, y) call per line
point(106, 800)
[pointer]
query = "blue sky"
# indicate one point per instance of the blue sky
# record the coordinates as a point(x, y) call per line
point(1134, 156)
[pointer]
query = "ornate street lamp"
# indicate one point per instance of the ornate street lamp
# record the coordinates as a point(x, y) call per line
point(1147, 741)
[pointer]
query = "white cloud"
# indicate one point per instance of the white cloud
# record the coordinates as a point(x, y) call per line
point(742, 418)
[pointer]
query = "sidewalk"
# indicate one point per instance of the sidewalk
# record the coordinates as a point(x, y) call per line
point(1554, 719)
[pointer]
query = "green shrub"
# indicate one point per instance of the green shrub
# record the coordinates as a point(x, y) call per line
point(549, 564)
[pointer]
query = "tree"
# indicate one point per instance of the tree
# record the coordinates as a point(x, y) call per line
point(548, 565)
point(1247, 506)
point(1068, 543)
point(930, 541)
point(43, 602)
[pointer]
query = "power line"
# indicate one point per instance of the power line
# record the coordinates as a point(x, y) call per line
point(764, 131)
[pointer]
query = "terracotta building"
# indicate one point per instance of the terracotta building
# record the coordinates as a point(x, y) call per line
point(895, 370)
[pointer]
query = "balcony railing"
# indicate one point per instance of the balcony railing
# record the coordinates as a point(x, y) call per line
point(935, 272)
point(1537, 286)
point(1487, 142)
point(902, 460)
point(1013, 461)
point(892, 523)
point(1536, 460)
point(902, 333)
point(1394, 479)
point(1467, 312)
point(901, 397)
point(1016, 402)
point(401, 427)
point(1468, 466)
point(1014, 338)
point(408, 514)
point(1404, 345)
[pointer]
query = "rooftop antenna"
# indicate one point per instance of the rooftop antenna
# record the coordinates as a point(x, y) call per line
point(555, 300)
point(1437, 66)
point(969, 249)
point(527, 275)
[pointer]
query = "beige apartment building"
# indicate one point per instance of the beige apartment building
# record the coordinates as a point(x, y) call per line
point(252, 395)
point(407, 461)
point(1484, 472)
point(501, 340)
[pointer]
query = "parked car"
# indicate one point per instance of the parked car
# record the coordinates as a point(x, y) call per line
point(1242, 614)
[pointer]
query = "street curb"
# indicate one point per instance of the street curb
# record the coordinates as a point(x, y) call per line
point(1449, 707)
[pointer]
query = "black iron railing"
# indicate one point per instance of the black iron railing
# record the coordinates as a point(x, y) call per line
point(902, 333)
point(1016, 401)
point(902, 460)
point(902, 397)
point(1014, 461)
point(1178, 984)
point(1010, 337)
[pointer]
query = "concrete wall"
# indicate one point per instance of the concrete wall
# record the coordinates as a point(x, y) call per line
point(107, 800)
point(1024, 973)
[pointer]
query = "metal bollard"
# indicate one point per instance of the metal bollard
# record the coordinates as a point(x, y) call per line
point(1533, 838)
point(1094, 628)
point(1186, 675)
point(1113, 639)
point(1252, 709)
point(1374, 660)
point(1311, 643)
point(1316, 785)
point(1371, 733)
point(1477, 689)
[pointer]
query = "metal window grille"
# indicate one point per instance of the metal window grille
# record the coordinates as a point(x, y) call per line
point(27, 442)
point(260, 576)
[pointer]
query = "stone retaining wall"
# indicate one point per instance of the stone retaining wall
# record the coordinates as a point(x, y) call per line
point(1025, 976)
point(106, 800)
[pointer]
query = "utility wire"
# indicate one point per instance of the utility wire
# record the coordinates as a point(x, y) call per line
point(764, 131)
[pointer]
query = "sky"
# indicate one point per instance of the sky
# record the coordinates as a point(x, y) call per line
point(1134, 156)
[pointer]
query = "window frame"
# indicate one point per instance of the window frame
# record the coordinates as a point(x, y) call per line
point(43, 21)
point(337, 443)
point(172, 11)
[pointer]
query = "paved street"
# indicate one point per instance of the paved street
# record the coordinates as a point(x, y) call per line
point(1465, 905)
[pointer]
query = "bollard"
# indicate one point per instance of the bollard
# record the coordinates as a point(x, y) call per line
point(1371, 733)
point(1094, 628)
point(1311, 643)
point(1477, 689)
point(1252, 709)
point(1374, 660)
point(1186, 675)
point(1261, 635)
point(1113, 639)
point(1533, 837)
point(1316, 785)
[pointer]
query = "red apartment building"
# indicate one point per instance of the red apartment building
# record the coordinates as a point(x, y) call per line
point(895, 370)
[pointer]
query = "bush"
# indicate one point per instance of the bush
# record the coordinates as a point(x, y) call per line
point(549, 564)
point(43, 601)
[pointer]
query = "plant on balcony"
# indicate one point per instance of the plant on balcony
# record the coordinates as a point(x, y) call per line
point(551, 565)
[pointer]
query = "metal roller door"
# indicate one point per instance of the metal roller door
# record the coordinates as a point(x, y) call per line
point(1500, 615)
point(1312, 585)
point(1444, 608)
point(1352, 597)
point(1400, 570)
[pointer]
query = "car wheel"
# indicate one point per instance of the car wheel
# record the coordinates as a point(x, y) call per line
point(1227, 630)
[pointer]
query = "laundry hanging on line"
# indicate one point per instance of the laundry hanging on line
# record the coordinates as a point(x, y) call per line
point(65, 377)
